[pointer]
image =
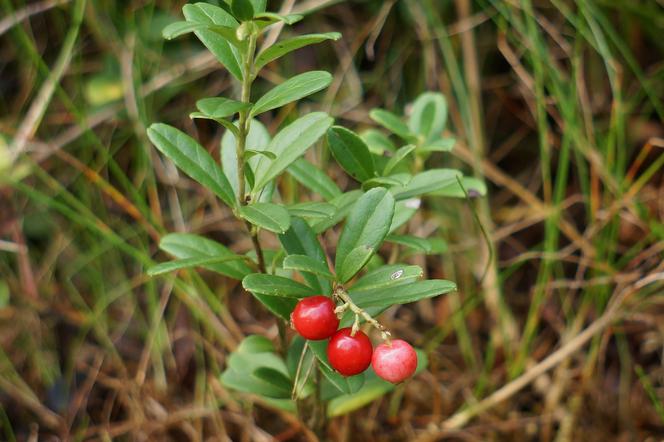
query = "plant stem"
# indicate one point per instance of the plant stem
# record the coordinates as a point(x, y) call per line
point(245, 121)
point(341, 293)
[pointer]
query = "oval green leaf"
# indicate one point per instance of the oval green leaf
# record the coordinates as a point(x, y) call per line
point(293, 89)
point(351, 153)
point(192, 159)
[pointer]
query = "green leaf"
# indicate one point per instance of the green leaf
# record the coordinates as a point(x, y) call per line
point(404, 211)
point(387, 297)
point(388, 276)
point(428, 116)
point(219, 107)
point(304, 263)
point(420, 244)
point(278, 305)
point(192, 159)
point(301, 240)
point(344, 204)
point(258, 138)
point(474, 187)
point(190, 246)
point(427, 182)
point(377, 142)
point(392, 123)
point(314, 179)
point(366, 227)
point(248, 153)
point(398, 156)
point(291, 90)
point(289, 144)
point(346, 385)
point(227, 54)
point(256, 344)
point(276, 286)
point(272, 217)
point(243, 10)
point(275, 378)
point(227, 124)
point(396, 180)
point(259, 6)
point(265, 19)
point(283, 47)
point(442, 145)
point(351, 153)
point(255, 368)
point(354, 261)
point(312, 209)
point(178, 28)
point(186, 263)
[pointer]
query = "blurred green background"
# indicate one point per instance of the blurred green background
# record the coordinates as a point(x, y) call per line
point(557, 104)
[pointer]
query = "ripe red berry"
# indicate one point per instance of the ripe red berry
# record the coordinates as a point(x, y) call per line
point(314, 318)
point(349, 355)
point(394, 362)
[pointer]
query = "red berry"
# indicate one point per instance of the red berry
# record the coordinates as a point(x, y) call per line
point(314, 318)
point(394, 362)
point(349, 355)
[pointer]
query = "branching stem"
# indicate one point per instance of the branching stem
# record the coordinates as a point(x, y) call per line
point(341, 294)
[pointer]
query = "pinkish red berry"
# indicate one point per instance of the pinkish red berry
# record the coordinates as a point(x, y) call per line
point(314, 318)
point(395, 361)
point(349, 355)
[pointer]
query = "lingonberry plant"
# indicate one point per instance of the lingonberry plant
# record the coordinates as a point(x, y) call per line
point(296, 282)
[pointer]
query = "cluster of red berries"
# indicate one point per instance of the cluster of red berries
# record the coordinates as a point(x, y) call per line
point(350, 353)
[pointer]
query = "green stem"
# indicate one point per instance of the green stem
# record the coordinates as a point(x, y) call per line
point(245, 121)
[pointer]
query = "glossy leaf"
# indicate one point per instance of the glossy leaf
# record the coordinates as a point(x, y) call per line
point(344, 204)
point(351, 153)
point(249, 367)
point(346, 385)
point(178, 28)
point(259, 6)
point(427, 182)
point(420, 244)
point(474, 187)
point(396, 180)
point(398, 157)
point(289, 144)
point(300, 239)
point(275, 378)
point(283, 47)
point(312, 209)
point(265, 19)
point(192, 159)
point(366, 228)
point(393, 123)
point(272, 217)
point(428, 116)
point(387, 277)
point(304, 263)
point(227, 54)
point(187, 263)
point(243, 10)
point(377, 142)
point(278, 286)
point(219, 107)
point(226, 123)
point(442, 145)
point(404, 210)
point(293, 89)
point(314, 179)
point(386, 297)
point(190, 246)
